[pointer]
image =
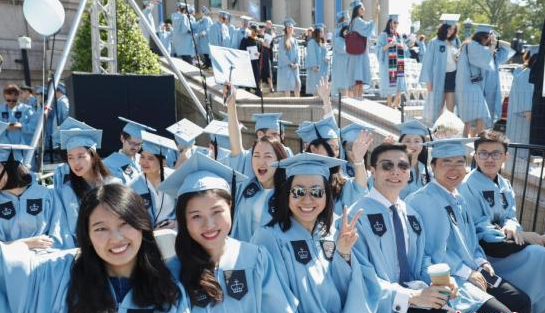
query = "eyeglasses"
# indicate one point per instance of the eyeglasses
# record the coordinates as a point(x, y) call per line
point(388, 165)
point(315, 192)
point(483, 155)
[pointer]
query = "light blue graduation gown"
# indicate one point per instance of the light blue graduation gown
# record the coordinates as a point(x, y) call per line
point(56, 116)
point(309, 266)
point(351, 193)
point(433, 71)
point(182, 42)
point(470, 96)
point(237, 36)
point(417, 182)
point(232, 36)
point(252, 286)
point(492, 85)
point(70, 203)
point(451, 238)
point(422, 49)
point(288, 78)
point(122, 167)
point(520, 100)
point(359, 67)
point(166, 39)
point(382, 56)
point(219, 35)
point(60, 175)
point(316, 57)
point(242, 163)
point(490, 203)
point(140, 186)
point(246, 209)
point(203, 43)
point(37, 211)
point(39, 283)
point(339, 79)
point(21, 113)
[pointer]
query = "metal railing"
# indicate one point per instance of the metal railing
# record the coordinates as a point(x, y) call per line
point(525, 170)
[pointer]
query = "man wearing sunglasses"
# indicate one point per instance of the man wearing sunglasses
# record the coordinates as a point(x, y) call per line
point(392, 240)
point(17, 115)
point(451, 236)
point(515, 254)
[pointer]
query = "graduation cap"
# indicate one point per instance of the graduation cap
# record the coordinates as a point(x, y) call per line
point(73, 138)
point(393, 17)
point(355, 4)
point(413, 127)
point(232, 65)
point(351, 132)
point(484, 28)
point(181, 4)
point(185, 132)
point(267, 121)
point(156, 144)
point(69, 123)
point(342, 14)
point(61, 87)
point(200, 173)
point(205, 10)
point(40, 90)
point(319, 26)
point(134, 128)
point(219, 133)
point(191, 9)
point(448, 148)
point(449, 19)
point(289, 22)
point(308, 164)
point(246, 18)
point(323, 129)
point(534, 49)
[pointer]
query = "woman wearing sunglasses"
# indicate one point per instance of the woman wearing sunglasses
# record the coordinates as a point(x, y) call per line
point(117, 269)
point(220, 274)
point(29, 212)
point(312, 259)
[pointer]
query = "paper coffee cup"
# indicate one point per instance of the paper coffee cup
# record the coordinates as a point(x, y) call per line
point(439, 274)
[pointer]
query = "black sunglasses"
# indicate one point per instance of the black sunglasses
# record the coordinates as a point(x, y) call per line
point(388, 165)
point(315, 192)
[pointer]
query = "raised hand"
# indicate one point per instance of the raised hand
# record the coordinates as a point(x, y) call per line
point(361, 145)
point(324, 90)
point(348, 233)
point(229, 95)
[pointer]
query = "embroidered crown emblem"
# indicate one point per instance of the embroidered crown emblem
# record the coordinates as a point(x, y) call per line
point(237, 287)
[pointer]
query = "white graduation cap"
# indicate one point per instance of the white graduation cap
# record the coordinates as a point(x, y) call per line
point(449, 19)
point(185, 132)
point(232, 65)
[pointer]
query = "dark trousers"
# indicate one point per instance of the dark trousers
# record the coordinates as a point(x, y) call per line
point(507, 299)
point(187, 58)
point(207, 61)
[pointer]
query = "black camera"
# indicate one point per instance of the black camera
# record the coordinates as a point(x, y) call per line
point(476, 79)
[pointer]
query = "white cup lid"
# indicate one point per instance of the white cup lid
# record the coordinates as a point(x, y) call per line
point(438, 268)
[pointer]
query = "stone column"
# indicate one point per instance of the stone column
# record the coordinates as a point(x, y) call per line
point(279, 11)
point(329, 15)
point(305, 19)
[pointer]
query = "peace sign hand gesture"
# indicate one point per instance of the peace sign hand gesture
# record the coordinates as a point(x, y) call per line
point(348, 233)
point(361, 145)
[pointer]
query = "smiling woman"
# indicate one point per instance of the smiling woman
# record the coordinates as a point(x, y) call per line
point(119, 267)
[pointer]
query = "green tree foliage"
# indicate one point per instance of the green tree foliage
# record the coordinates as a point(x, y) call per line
point(508, 15)
point(133, 52)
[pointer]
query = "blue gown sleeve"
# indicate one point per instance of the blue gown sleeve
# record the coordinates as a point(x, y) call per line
point(63, 108)
point(483, 228)
point(56, 229)
point(382, 41)
point(340, 46)
point(29, 121)
point(504, 54)
point(480, 56)
point(312, 57)
point(362, 27)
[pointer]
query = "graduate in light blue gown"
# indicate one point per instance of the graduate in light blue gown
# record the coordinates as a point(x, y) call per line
point(316, 61)
point(288, 78)
point(359, 67)
point(18, 115)
point(422, 47)
point(312, 258)
point(203, 37)
point(492, 86)
point(241, 32)
point(451, 235)
point(220, 143)
point(475, 59)
point(219, 32)
point(232, 30)
point(219, 273)
point(124, 164)
point(340, 82)
point(185, 132)
point(154, 171)
point(520, 103)
point(439, 68)
point(29, 212)
point(57, 113)
point(392, 239)
point(165, 36)
point(118, 268)
point(86, 172)
point(148, 14)
point(491, 202)
point(391, 53)
point(182, 42)
point(349, 135)
point(323, 138)
point(413, 134)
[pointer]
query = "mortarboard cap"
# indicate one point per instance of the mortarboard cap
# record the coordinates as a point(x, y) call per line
point(191, 9)
point(185, 132)
point(219, 132)
point(448, 148)
point(449, 19)
point(61, 87)
point(393, 17)
point(342, 14)
point(156, 144)
point(319, 26)
point(534, 49)
point(134, 128)
point(484, 28)
point(413, 127)
point(181, 4)
point(289, 22)
point(199, 173)
point(308, 164)
point(73, 138)
point(69, 123)
point(205, 10)
point(246, 18)
point(355, 4)
point(351, 132)
point(326, 129)
point(267, 121)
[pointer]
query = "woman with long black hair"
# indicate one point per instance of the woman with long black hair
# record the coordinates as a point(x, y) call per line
point(117, 269)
